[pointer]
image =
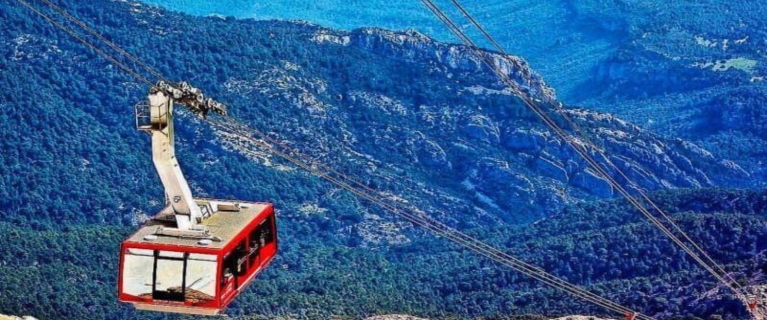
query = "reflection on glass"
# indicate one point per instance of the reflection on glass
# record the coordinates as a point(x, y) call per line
point(137, 272)
point(200, 278)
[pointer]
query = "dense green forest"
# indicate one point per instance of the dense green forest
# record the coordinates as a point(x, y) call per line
point(604, 246)
point(76, 177)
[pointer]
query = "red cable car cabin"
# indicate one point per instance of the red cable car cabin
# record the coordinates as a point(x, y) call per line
point(198, 276)
point(196, 255)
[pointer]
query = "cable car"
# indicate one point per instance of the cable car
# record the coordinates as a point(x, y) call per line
point(199, 276)
point(196, 255)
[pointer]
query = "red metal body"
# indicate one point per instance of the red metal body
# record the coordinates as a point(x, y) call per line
point(155, 264)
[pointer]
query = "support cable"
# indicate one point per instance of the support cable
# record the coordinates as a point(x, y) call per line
point(421, 219)
point(88, 44)
point(595, 165)
point(105, 40)
point(425, 221)
point(607, 159)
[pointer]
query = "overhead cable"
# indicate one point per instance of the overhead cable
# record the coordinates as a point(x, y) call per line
point(719, 275)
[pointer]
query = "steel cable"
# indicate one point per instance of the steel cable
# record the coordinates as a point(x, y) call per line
point(585, 136)
point(425, 221)
point(88, 44)
point(103, 39)
point(594, 164)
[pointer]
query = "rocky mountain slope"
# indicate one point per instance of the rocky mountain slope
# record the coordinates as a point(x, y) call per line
point(477, 140)
point(420, 115)
point(693, 70)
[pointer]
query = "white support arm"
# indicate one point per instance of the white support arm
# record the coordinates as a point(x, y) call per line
point(177, 192)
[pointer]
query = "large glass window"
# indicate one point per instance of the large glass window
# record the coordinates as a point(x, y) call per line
point(234, 265)
point(267, 233)
point(169, 279)
point(138, 265)
point(227, 269)
point(168, 275)
point(263, 234)
point(254, 247)
point(240, 253)
point(200, 278)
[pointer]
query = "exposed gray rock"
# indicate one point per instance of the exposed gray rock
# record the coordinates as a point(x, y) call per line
point(528, 141)
point(394, 317)
point(589, 180)
point(412, 45)
point(551, 168)
point(428, 151)
point(482, 128)
point(6, 317)
point(578, 317)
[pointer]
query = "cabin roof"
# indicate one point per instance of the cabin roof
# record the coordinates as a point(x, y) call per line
point(225, 224)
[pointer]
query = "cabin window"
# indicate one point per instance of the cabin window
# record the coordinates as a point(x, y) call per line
point(137, 272)
point(169, 276)
point(265, 234)
point(200, 278)
point(259, 238)
point(234, 264)
point(254, 247)
point(227, 269)
point(240, 254)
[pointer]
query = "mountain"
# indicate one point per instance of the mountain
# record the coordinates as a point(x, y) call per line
point(693, 70)
point(413, 117)
point(689, 70)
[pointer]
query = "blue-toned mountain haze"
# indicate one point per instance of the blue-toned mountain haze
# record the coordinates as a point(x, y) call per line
point(411, 116)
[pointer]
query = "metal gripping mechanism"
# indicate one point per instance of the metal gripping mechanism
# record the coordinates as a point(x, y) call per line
point(190, 97)
point(156, 118)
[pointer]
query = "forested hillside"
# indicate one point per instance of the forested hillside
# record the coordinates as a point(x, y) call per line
point(420, 119)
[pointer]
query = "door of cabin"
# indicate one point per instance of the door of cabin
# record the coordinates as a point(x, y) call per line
point(168, 280)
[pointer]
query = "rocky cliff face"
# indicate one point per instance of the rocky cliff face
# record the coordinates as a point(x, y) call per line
point(444, 129)
point(414, 46)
